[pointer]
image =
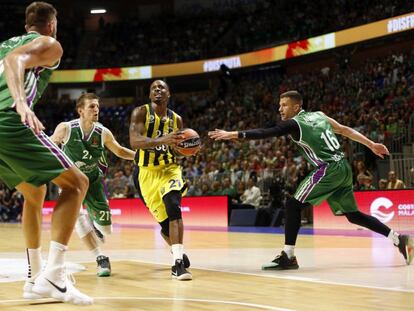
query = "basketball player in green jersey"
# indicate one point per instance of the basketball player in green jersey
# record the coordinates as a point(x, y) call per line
point(29, 159)
point(84, 141)
point(331, 179)
point(158, 178)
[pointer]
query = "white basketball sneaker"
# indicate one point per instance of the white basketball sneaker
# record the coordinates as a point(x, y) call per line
point(60, 288)
point(28, 290)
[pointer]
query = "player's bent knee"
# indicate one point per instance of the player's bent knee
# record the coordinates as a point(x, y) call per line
point(82, 226)
point(172, 203)
point(105, 230)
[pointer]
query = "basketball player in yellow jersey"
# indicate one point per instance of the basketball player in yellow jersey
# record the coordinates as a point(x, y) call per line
point(153, 132)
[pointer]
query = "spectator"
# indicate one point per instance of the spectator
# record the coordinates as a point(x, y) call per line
point(394, 182)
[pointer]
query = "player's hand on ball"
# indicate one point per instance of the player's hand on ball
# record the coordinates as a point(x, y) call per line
point(171, 139)
point(380, 150)
point(222, 135)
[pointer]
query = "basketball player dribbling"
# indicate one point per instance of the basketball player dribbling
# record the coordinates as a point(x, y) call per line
point(158, 178)
point(29, 159)
point(331, 179)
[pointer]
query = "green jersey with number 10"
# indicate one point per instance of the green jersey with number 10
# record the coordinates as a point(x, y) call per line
point(319, 144)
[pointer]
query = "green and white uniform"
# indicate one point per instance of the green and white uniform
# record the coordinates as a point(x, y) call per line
point(332, 177)
point(88, 154)
point(24, 155)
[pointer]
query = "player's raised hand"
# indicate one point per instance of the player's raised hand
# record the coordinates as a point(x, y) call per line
point(380, 150)
point(222, 135)
point(27, 116)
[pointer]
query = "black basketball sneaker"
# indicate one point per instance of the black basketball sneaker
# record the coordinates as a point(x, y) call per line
point(282, 262)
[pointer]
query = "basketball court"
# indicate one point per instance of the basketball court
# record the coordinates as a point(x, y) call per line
point(343, 270)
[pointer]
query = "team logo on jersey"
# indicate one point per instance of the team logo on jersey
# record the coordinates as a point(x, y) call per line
point(95, 141)
point(79, 164)
point(375, 209)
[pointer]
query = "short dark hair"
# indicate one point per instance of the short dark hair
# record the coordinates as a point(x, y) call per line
point(85, 96)
point(294, 95)
point(39, 13)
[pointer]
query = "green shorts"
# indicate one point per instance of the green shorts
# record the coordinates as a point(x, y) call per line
point(97, 203)
point(26, 156)
point(332, 182)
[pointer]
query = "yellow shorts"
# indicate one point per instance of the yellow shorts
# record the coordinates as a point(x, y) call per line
point(156, 182)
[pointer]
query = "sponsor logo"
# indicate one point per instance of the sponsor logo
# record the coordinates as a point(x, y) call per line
point(190, 143)
point(61, 289)
point(79, 164)
point(214, 65)
point(381, 216)
point(400, 24)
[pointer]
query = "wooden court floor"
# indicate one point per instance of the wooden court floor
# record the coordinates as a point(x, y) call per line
point(337, 273)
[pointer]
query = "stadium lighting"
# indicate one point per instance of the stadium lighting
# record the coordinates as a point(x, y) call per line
point(98, 11)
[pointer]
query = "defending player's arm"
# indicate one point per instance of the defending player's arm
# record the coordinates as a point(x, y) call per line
point(111, 143)
point(288, 127)
point(378, 149)
point(43, 51)
point(137, 130)
point(60, 135)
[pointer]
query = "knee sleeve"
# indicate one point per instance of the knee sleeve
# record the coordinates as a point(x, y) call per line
point(82, 226)
point(165, 227)
point(105, 230)
point(172, 201)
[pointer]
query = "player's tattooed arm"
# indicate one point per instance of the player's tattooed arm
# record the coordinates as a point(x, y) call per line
point(60, 135)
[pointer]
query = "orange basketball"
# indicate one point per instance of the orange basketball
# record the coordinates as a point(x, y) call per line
point(191, 143)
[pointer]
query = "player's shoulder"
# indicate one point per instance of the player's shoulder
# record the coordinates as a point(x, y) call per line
point(72, 123)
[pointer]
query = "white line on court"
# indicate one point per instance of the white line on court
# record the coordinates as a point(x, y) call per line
point(291, 278)
point(227, 302)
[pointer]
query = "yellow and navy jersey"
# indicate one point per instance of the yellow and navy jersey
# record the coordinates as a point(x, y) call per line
point(154, 128)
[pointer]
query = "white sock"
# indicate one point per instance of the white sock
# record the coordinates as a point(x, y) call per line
point(97, 252)
point(34, 261)
point(393, 236)
point(56, 260)
point(177, 250)
point(289, 250)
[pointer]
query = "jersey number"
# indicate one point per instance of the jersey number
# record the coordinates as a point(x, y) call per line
point(86, 155)
point(104, 215)
point(173, 182)
point(330, 140)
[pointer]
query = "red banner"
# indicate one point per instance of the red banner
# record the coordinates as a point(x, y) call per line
point(208, 211)
point(395, 208)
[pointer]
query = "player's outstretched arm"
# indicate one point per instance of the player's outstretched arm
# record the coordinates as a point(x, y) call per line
point(43, 51)
point(288, 127)
point(223, 135)
point(378, 149)
point(112, 144)
point(137, 129)
point(60, 135)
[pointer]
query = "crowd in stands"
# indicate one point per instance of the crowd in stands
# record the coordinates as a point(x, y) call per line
point(377, 99)
point(204, 33)
point(11, 205)
point(210, 33)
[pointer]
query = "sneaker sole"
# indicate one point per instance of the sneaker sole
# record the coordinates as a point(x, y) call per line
point(268, 267)
point(31, 296)
point(104, 274)
point(183, 277)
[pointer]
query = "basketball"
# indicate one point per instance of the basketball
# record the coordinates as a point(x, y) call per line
point(191, 143)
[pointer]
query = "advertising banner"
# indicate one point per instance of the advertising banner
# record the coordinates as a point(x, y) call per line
point(395, 208)
point(293, 49)
point(208, 211)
